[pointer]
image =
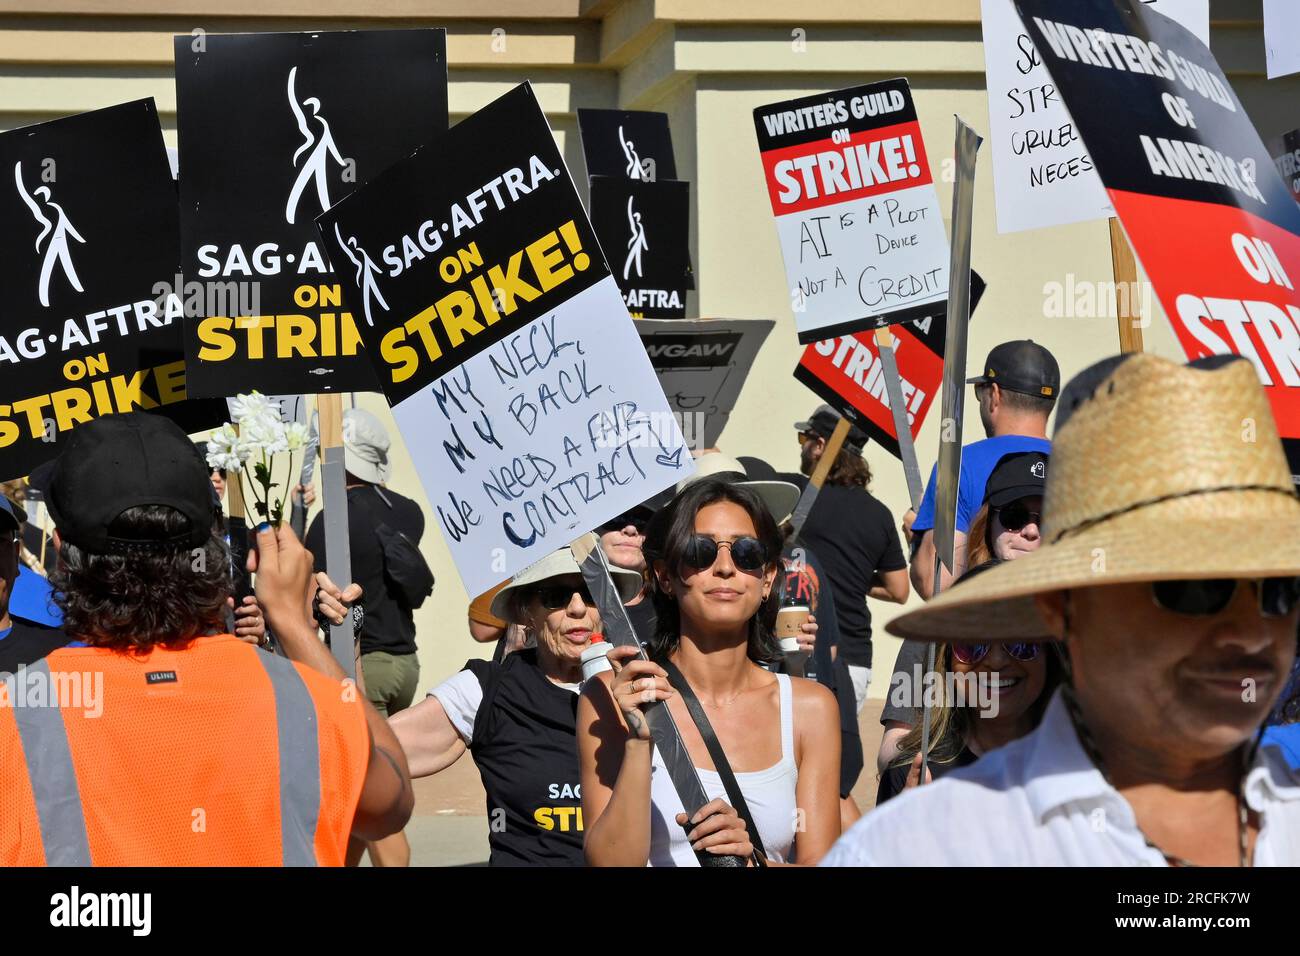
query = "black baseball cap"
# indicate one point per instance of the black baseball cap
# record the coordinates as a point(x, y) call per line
point(823, 422)
point(1021, 475)
point(1022, 366)
point(119, 462)
point(12, 514)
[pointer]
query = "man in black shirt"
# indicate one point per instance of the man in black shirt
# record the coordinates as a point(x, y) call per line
point(389, 665)
point(22, 642)
point(855, 537)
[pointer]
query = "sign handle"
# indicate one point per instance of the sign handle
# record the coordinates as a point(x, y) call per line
point(235, 493)
point(804, 505)
point(1127, 312)
point(45, 532)
point(334, 495)
point(897, 408)
point(619, 632)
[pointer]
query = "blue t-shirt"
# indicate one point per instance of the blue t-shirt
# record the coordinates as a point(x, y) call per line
point(31, 599)
point(1286, 737)
point(977, 462)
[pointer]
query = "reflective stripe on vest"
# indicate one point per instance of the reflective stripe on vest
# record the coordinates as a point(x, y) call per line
point(53, 779)
point(58, 801)
point(295, 720)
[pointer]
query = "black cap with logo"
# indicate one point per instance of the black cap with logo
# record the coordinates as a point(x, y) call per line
point(1021, 366)
point(1022, 475)
point(823, 422)
point(119, 462)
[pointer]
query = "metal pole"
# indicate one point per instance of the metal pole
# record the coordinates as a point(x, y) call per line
point(334, 494)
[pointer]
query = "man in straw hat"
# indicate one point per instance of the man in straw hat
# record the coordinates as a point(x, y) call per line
point(1171, 548)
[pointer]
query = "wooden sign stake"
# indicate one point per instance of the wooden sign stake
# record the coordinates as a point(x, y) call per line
point(1126, 283)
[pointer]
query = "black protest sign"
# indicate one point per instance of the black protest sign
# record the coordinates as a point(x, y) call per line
point(1287, 157)
point(1213, 224)
point(701, 365)
point(644, 226)
point(633, 144)
point(274, 128)
point(501, 340)
point(88, 271)
point(856, 211)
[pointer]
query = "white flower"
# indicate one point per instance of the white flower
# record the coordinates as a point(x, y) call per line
point(263, 433)
point(224, 444)
point(297, 436)
point(224, 461)
point(252, 405)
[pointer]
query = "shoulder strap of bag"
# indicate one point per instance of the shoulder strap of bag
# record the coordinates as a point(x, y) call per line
point(720, 763)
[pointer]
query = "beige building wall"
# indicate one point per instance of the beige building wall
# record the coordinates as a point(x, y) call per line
point(707, 63)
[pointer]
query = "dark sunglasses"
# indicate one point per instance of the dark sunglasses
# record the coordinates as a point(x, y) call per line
point(1277, 596)
point(747, 554)
point(971, 654)
point(637, 521)
point(1016, 515)
point(556, 596)
point(217, 471)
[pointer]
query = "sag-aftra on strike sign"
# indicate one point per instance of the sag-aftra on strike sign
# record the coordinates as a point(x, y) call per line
point(1212, 222)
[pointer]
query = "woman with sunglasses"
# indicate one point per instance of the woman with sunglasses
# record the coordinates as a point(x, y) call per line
point(1006, 527)
point(516, 717)
point(714, 555)
point(622, 538)
point(991, 694)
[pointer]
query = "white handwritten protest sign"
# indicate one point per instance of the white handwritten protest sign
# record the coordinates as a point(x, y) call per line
point(1042, 173)
point(1282, 37)
point(499, 336)
point(856, 210)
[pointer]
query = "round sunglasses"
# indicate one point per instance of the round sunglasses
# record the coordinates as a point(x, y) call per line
point(971, 654)
point(1016, 515)
point(747, 553)
point(1277, 597)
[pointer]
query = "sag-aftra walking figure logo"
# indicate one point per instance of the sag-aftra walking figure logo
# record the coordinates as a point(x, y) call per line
point(55, 228)
point(314, 166)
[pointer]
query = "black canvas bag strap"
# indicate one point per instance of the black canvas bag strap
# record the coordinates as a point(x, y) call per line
point(720, 763)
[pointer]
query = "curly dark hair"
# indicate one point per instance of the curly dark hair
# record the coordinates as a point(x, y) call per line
point(149, 596)
point(850, 470)
point(667, 537)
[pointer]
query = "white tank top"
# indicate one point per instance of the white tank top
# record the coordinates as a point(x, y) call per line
point(770, 794)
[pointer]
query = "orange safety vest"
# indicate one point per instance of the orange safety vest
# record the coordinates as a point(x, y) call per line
point(215, 755)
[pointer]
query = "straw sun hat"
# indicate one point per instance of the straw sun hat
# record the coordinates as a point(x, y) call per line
point(556, 564)
point(1159, 471)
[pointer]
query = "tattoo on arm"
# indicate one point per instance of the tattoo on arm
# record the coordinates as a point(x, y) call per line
point(392, 762)
point(634, 721)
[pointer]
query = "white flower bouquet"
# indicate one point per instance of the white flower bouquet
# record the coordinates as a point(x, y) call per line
point(254, 438)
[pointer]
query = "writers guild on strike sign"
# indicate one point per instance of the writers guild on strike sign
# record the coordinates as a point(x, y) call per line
point(857, 214)
point(1209, 217)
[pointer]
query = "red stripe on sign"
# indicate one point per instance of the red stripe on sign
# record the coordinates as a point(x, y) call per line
point(1227, 281)
point(823, 173)
point(850, 366)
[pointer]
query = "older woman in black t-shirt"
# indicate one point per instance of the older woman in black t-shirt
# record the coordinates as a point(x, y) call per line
point(517, 717)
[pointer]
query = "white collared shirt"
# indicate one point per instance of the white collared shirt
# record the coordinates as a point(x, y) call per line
point(1040, 801)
